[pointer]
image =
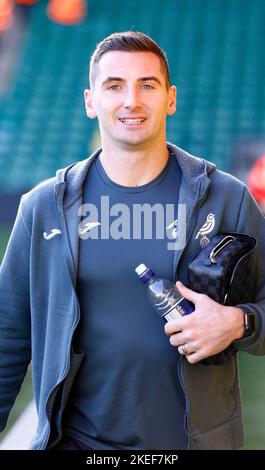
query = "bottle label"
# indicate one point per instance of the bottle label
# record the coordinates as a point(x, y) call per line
point(181, 308)
point(172, 315)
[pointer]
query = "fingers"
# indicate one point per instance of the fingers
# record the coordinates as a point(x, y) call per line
point(173, 326)
point(191, 353)
point(186, 350)
point(182, 349)
point(178, 339)
point(187, 293)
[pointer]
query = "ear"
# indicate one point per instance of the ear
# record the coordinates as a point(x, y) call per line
point(172, 100)
point(88, 96)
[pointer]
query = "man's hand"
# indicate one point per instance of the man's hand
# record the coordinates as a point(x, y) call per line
point(208, 330)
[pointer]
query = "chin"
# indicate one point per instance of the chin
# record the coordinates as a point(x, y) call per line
point(140, 142)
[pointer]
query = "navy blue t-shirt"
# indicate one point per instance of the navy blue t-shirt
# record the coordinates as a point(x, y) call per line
point(127, 394)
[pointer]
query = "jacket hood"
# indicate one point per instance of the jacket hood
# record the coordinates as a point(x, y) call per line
point(194, 170)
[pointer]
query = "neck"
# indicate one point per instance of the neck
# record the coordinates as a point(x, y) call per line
point(134, 167)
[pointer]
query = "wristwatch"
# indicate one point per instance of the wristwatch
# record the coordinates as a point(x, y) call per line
point(249, 323)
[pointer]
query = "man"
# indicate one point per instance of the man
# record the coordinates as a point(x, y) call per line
point(105, 374)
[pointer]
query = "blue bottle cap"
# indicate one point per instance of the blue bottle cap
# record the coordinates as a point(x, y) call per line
point(144, 273)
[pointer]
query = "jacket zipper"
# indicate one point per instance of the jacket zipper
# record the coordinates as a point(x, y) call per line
point(180, 363)
point(70, 266)
point(187, 406)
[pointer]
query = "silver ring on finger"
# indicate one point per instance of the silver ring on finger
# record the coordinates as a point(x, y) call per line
point(182, 350)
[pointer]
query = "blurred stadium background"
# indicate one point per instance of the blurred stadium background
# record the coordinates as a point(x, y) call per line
point(217, 60)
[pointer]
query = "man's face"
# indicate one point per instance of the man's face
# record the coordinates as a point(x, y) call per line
point(130, 99)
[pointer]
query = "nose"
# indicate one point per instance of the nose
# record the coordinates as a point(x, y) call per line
point(132, 99)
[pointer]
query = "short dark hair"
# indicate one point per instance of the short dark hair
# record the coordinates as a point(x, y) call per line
point(128, 41)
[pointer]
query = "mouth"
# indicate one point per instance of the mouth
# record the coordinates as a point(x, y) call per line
point(132, 121)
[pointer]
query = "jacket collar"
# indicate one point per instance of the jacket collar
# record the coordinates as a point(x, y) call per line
point(194, 171)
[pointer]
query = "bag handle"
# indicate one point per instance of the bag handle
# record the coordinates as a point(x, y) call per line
point(219, 247)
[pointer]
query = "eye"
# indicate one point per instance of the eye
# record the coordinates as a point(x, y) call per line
point(114, 87)
point(146, 86)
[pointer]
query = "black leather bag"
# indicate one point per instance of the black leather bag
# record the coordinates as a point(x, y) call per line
point(224, 271)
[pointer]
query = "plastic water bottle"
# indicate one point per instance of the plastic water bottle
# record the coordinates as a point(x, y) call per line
point(163, 295)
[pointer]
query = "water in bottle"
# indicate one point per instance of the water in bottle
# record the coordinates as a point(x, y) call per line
point(163, 295)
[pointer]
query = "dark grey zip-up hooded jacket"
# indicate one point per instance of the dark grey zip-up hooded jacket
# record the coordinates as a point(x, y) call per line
point(39, 308)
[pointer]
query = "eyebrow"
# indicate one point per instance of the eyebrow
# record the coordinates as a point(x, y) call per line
point(141, 79)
